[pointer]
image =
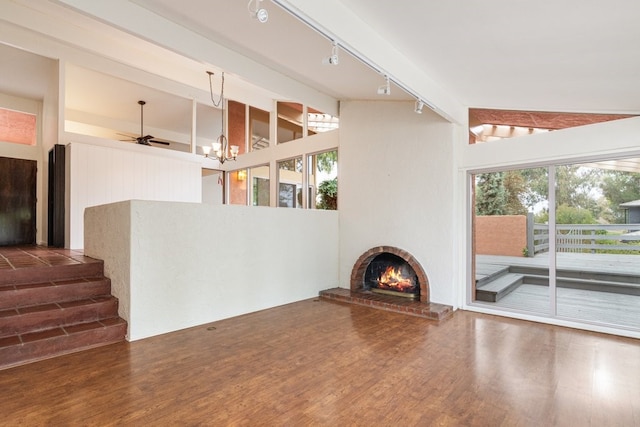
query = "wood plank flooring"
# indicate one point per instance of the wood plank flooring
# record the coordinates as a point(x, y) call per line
point(325, 363)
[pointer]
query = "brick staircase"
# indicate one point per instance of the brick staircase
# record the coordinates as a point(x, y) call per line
point(53, 302)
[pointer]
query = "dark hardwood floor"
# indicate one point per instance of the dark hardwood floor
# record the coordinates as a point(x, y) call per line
point(326, 363)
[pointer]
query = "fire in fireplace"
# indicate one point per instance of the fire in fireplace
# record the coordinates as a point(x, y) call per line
point(390, 274)
point(367, 272)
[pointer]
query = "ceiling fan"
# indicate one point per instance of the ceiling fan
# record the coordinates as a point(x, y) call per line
point(145, 139)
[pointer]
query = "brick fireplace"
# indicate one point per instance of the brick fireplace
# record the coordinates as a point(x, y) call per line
point(360, 292)
point(359, 271)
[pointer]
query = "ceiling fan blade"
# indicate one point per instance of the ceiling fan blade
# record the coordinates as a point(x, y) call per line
point(147, 139)
point(143, 140)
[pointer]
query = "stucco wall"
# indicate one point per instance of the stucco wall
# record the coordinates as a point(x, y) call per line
point(177, 265)
point(396, 188)
point(501, 235)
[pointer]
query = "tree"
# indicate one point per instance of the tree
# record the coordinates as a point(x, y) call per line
point(575, 185)
point(490, 194)
point(566, 214)
point(327, 160)
point(514, 187)
point(328, 192)
point(620, 187)
point(536, 183)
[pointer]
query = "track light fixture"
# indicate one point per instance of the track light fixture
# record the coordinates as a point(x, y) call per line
point(419, 105)
point(333, 59)
point(257, 12)
point(385, 89)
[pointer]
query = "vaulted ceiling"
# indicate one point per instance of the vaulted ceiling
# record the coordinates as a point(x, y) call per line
point(570, 56)
point(573, 56)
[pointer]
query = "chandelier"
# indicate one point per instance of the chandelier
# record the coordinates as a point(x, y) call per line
point(222, 151)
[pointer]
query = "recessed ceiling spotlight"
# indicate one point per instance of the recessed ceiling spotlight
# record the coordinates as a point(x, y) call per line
point(385, 89)
point(257, 12)
point(333, 59)
point(419, 105)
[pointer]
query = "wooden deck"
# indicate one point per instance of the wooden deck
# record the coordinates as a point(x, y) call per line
point(615, 307)
point(617, 264)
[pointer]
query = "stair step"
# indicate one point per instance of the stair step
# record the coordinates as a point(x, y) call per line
point(498, 288)
point(30, 347)
point(40, 273)
point(46, 316)
point(485, 273)
point(52, 302)
point(14, 296)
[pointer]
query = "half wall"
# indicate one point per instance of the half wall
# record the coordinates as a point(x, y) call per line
point(177, 265)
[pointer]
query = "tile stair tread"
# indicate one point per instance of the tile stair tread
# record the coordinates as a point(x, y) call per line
point(27, 348)
point(51, 315)
point(25, 294)
point(54, 302)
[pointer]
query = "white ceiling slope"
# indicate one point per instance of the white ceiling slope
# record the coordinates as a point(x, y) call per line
point(574, 55)
point(569, 56)
point(546, 55)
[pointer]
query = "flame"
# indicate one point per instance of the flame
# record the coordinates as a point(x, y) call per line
point(392, 279)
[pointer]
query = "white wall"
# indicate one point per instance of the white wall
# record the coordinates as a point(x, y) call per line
point(177, 265)
point(101, 172)
point(396, 173)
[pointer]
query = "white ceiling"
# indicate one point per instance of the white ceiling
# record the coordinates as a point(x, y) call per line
point(570, 56)
point(574, 55)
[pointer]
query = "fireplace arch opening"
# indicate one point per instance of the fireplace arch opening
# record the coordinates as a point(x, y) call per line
point(402, 270)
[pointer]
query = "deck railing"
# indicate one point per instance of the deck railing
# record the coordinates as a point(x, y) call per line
point(585, 238)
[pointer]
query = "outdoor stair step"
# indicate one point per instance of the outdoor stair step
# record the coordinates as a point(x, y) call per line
point(30, 347)
point(485, 273)
point(613, 286)
point(494, 290)
point(22, 295)
point(35, 318)
point(600, 285)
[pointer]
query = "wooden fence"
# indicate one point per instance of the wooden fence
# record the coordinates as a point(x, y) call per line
point(585, 238)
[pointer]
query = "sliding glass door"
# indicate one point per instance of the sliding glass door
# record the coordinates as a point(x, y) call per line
point(598, 242)
point(511, 240)
point(571, 253)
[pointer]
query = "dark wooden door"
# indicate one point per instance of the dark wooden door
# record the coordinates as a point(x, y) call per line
point(17, 202)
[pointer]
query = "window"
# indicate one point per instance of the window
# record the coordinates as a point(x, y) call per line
point(290, 121)
point(323, 180)
point(290, 183)
point(318, 122)
point(260, 186)
point(17, 127)
point(236, 134)
point(258, 128)
point(253, 182)
point(237, 187)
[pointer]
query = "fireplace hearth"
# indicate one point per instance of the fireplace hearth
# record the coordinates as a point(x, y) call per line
point(363, 284)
